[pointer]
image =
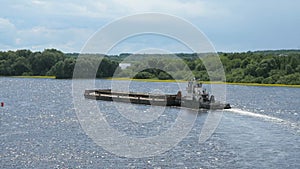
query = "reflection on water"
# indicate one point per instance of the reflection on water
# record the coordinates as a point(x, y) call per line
point(39, 129)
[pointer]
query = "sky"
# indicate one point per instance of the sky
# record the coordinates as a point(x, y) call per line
point(231, 25)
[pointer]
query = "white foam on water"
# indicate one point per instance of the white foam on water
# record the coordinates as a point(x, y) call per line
point(248, 113)
point(265, 117)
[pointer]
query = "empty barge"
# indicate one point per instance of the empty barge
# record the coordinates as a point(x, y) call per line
point(196, 98)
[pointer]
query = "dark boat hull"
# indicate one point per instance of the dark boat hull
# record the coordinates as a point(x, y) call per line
point(204, 105)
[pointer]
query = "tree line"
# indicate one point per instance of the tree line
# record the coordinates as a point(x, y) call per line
point(269, 67)
point(50, 62)
point(263, 67)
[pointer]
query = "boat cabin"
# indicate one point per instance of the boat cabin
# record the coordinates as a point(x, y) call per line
point(196, 92)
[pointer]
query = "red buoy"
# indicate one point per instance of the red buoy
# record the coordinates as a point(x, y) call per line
point(2, 104)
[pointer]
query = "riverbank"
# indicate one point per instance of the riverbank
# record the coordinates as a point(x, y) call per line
point(35, 77)
point(146, 80)
point(267, 85)
point(177, 81)
point(209, 82)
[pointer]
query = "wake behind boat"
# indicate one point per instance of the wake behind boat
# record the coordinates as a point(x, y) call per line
point(196, 98)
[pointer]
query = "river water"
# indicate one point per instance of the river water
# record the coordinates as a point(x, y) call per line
point(39, 128)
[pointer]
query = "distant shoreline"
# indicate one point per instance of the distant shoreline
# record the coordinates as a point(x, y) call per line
point(166, 81)
point(33, 77)
point(209, 82)
point(259, 67)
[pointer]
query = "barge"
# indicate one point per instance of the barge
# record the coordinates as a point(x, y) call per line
point(196, 98)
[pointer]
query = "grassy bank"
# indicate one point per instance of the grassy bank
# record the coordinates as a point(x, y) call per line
point(36, 77)
point(209, 82)
point(180, 81)
point(258, 84)
point(146, 80)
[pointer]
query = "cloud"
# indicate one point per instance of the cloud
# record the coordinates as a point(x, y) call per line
point(39, 38)
point(187, 9)
point(115, 8)
point(149, 41)
point(40, 24)
point(231, 25)
point(7, 32)
point(5, 24)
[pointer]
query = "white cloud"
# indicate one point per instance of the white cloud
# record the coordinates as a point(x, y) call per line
point(116, 8)
point(7, 32)
point(37, 2)
point(5, 25)
point(64, 39)
point(149, 41)
point(186, 9)
point(67, 24)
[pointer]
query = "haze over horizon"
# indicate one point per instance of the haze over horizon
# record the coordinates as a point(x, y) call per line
point(234, 26)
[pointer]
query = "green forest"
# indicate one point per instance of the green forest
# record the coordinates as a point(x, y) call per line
point(50, 62)
point(267, 67)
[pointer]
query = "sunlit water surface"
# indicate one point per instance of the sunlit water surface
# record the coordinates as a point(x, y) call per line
point(39, 129)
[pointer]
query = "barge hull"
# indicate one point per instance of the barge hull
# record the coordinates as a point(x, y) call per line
point(148, 99)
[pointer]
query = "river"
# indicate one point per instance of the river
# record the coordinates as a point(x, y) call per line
point(39, 128)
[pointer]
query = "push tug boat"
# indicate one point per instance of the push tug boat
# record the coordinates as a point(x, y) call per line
point(196, 98)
